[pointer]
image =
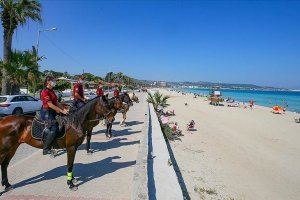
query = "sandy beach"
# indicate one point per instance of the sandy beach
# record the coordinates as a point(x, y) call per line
point(236, 153)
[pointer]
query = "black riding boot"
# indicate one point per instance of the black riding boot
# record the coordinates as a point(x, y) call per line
point(47, 144)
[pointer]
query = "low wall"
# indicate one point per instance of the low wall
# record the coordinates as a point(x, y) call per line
point(162, 180)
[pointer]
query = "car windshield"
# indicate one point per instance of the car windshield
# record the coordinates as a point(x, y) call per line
point(2, 99)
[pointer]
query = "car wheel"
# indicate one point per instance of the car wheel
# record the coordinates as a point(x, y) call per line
point(17, 111)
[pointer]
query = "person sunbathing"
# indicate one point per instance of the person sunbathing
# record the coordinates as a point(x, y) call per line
point(170, 113)
point(190, 125)
point(175, 129)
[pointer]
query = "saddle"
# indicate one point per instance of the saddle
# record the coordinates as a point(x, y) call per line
point(39, 126)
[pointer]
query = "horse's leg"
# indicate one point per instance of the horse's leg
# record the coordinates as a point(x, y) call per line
point(88, 141)
point(124, 118)
point(110, 127)
point(71, 152)
point(4, 166)
point(107, 129)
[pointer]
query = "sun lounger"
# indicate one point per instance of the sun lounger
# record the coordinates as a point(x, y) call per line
point(233, 105)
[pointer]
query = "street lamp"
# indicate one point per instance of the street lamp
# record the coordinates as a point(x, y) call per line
point(38, 41)
point(37, 49)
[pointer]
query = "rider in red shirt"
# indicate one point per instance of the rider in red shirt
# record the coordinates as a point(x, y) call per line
point(99, 90)
point(49, 111)
point(116, 91)
point(78, 93)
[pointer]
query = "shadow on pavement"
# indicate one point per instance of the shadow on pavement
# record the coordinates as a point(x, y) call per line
point(84, 172)
point(110, 144)
point(117, 133)
point(132, 123)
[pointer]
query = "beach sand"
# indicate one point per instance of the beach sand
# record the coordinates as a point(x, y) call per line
point(236, 153)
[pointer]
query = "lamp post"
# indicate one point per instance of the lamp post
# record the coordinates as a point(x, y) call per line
point(37, 50)
point(38, 41)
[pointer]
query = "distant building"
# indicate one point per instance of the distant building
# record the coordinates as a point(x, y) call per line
point(163, 84)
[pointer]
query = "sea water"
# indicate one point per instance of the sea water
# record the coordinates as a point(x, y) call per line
point(263, 98)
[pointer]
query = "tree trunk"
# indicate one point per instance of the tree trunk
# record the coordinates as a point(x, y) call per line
point(6, 60)
point(34, 86)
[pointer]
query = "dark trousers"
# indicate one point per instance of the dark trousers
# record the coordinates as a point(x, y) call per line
point(52, 130)
point(78, 103)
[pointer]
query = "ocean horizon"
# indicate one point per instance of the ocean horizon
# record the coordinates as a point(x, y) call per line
point(262, 98)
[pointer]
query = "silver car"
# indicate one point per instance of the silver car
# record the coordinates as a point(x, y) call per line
point(19, 104)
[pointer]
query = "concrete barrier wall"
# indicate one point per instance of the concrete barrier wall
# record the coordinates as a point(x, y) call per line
point(164, 184)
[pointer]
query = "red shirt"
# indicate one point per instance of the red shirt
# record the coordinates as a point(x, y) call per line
point(78, 89)
point(48, 95)
point(116, 92)
point(99, 92)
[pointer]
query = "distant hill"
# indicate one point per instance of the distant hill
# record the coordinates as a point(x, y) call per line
point(202, 84)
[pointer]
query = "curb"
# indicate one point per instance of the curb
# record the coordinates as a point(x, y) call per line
point(140, 178)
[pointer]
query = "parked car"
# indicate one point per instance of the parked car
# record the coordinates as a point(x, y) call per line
point(89, 95)
point(19, 104)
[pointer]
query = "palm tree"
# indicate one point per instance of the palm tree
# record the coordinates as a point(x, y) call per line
point(29, 60)
point(16, 71)
point(157, 99)
point(14, 13)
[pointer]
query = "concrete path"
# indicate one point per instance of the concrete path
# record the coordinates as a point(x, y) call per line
point(107, 174)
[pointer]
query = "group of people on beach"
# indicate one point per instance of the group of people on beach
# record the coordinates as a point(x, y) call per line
point(51, 107)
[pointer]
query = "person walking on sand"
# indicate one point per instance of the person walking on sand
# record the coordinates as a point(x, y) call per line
point(251, 103)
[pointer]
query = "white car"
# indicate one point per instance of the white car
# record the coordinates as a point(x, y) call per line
point(89, 95)
point(19, 104)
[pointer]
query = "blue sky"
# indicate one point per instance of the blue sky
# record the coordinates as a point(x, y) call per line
point(221, 41)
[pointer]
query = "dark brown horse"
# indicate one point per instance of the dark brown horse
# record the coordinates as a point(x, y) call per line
point(113, 104)
point(15, 130)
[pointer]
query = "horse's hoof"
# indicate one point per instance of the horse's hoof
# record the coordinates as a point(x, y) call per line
point(74, 180)
point(89, 152)
point(9, 187)
point(71, 185)
point(73, 188)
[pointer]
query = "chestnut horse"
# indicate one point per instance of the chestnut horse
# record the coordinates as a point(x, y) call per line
point(16, 129)
point(125, 99)
point(125, 108)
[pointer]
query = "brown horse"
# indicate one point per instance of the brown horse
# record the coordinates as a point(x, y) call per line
point(125, 108)
point(15, 130)
point(125, 99)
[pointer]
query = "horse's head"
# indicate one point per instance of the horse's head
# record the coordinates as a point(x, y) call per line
point(126, 99)
point(135, 99)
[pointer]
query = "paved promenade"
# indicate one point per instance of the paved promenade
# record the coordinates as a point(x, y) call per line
point(107, 174)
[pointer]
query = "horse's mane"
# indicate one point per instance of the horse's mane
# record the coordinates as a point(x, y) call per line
point(75, 119)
